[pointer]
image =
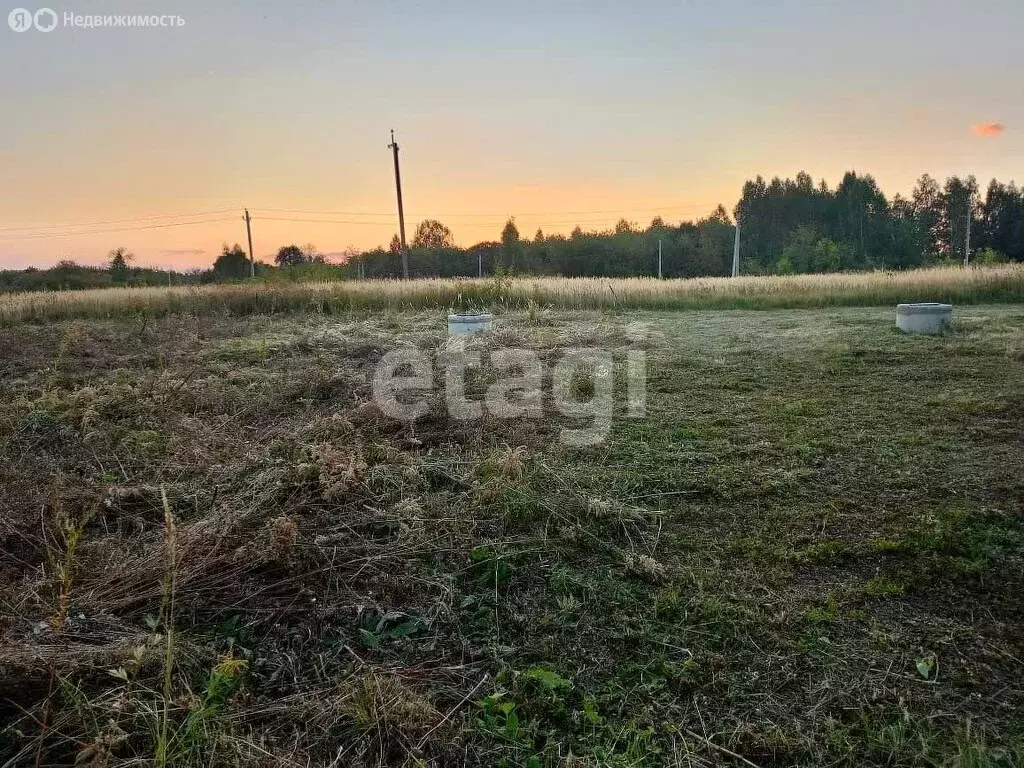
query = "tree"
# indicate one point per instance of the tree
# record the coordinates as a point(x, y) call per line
point(396, 245)
point(1002, 220)
point(510, 232)
point(808, 251)
point(431, 233)
point(120, 258)
point(926, 201)
point(233, 263)
point(290, 256)
point(720, 215)
point(908, 244)
point(958, 196)
point(484, 256)
point(311, 254)
point(859, 218)
point(510, 242)
point(989, 256)
point(709, 251)
point(623, 227)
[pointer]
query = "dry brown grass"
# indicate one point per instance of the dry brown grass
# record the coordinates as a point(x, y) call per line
point(950, 284)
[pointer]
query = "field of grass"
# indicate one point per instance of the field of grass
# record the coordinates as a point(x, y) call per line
point(949, 284)
point(215, 550)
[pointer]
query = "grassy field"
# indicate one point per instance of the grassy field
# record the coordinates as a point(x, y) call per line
point(214, 550)
point(950, 284)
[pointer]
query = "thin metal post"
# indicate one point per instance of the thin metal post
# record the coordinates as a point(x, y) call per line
point(736, 252)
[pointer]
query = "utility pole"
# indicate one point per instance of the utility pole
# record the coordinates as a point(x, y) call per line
point(393, 146)
point(967, 237)
point(248, 233)
point(479, 264)
point(659, 258)
point(736, 252)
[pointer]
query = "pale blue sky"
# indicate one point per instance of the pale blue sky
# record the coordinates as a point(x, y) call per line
point(532, 109)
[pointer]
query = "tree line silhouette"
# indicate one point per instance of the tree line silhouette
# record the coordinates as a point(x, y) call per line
point(787, 226)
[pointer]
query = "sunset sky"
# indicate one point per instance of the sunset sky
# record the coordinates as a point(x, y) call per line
point(555, 112)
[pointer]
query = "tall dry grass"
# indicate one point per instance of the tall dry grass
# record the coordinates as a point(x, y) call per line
point(1002, 283)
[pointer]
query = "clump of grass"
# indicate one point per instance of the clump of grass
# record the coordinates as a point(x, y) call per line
point(64, 565)
point(823, 552)
point(507, 464)
point(881, 585)
point(65, 575)
point(501, 471)
point(226, 678)
point(817, 614)
point(338, 469)
point(167, 617)
point(388, 715)
point(612, 509)
point(284, 534)
point(646, 567)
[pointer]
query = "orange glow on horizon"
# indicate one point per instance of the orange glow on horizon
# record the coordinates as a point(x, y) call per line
point(335, 228)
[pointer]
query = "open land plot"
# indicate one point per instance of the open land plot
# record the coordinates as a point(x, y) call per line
point(808, 551)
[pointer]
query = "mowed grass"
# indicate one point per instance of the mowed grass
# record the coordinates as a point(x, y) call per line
point(949, 284)
point(807, 552)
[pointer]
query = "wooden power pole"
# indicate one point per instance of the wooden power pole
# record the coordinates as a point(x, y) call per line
point(248, 233)
point(393, 146)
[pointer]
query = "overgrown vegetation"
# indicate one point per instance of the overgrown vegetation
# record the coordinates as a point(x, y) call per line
point(215, 550)
point(1003, 283)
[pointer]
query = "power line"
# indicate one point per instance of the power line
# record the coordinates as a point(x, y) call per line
point(688, 207)
point(48, 230)
point(44, 235)
point(614, 211)
point(117, 221)
point(325, 221)
point(73, 230)
point(467, 224)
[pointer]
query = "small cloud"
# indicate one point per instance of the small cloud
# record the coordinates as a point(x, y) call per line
point(987, 129)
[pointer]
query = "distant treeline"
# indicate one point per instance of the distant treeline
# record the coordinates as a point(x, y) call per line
point(67, 275)
point(787, 226)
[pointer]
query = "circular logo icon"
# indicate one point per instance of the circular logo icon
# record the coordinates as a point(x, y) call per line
point(19, 20)
point(45, 19)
